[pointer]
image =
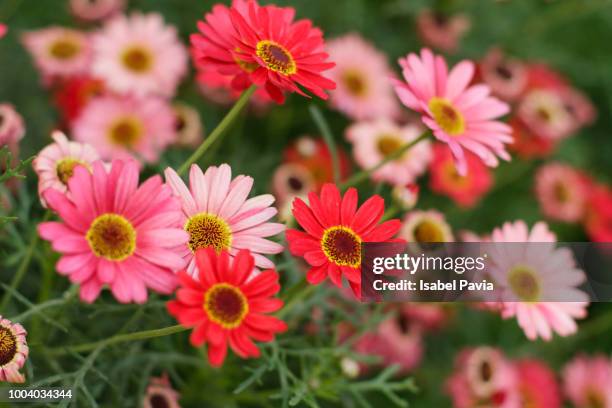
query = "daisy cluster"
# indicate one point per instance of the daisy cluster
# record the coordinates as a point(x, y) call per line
point(129, 223)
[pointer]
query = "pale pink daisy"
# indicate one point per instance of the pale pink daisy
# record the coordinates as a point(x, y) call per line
point(114, 232)
point(216, 213)
point(562, 192)
point(55, 164)
point(13, 351)
point(406, 196)
point(587, 382)
point(528, 275)
point(425, 226)
point(291, 180)
point(188, 126)
point(139, 54)
point(506, 76)
point(124, 127)
point(543, 111)
point(160, 394)
point(458, 114)
point(442, 31)
point(95, 10)
point(375, 141)
point(59, 52)
point(12, 128)
point(362, 73)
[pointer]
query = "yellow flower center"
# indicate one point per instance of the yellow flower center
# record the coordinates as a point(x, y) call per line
point(208, 230)
point(561, 192)
point(524, 283)
point(126, 131)
point(65, 168)
point(111, 236)
point(342, 246)
point(595, 398)
point(388, 144)
point(8, 345)
point(276, 57)
point(428, 231)
point(65, 48)
point(137, 59)
point(355, 82)
point(226, 305)
point(447, 116)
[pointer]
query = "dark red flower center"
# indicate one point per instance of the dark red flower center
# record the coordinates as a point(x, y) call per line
point(342, 246)
point(276, 57)
point(159, 401)
point(226, 305)
point(8, 345)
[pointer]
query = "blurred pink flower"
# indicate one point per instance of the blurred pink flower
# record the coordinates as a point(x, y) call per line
point(458, 114)
point(140, 55)
point(12, 128)
point(13, 351)
point(507, 77)
point(406, 196)
point(465, 190)
point(188, 126)
point(587, 381)
point(425, 226)
point(55, 164)
point(95, 10)
point(59, 52)
point(115, 232)
point(543, 111)
point(442, 31)
point(216, 213)
point(161, 394)
point(124, 127)
point(598, 217)
point(537, 385)
point(483, 377)
point(362, 77)
point(526, 275)
point(375, 141)
point(561, 191)
point(3, 30)
point(291, 180)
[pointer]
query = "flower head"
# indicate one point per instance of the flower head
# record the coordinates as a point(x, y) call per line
point(537, 386)
point(161, 394)
point(13, 351)
point(425, 227)
point(188, 126)
point(140, 55)
point(406, 196)
point(460, 115)
point(73, 94)
point(334, 228)
point(12, 128)
point(114, 232)
point(528, 276)
point(216, 213)
point(507, 77)
point(59, 52)
point(375, 141)
point(442, 31)
point(225, 304)
point(95, 10)
point(126, 127)
point(465, 190)
point(587, 381)
point(291, 180)
point(264, 46)
point(3, 30)
point(598, 217)
point(562, 192)
point(362, 75)
point(55, 164)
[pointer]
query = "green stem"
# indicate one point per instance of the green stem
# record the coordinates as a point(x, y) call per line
point(219, 130)
point(363, 175)
point(119, 338)
point(323, 126)
point(295, 295)
point(23, 266)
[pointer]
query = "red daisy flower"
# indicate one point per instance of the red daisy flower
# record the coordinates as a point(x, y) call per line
point(285, 53)
point(334, 230)
point(225, 304)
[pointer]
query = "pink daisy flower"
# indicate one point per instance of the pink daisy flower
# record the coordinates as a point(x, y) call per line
point(543, 112)
point(95, 10)
point(406, 196)
point(161, 394)
point(188, 125)
point(114, 232)
point(12, 128)
point(587, 382)
point(139, 54)
point(55, 164)
point(375, 141)
point(458, 114)
point(465, 190)
point(216, 213)
point(537, 385)
point(362, 77)
point(125, 127)
point(562, 192)
point(3, 30)
point(507, 77)
point(525, 277)
point(13, 351)
point(442, 31)
point(59, 52)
